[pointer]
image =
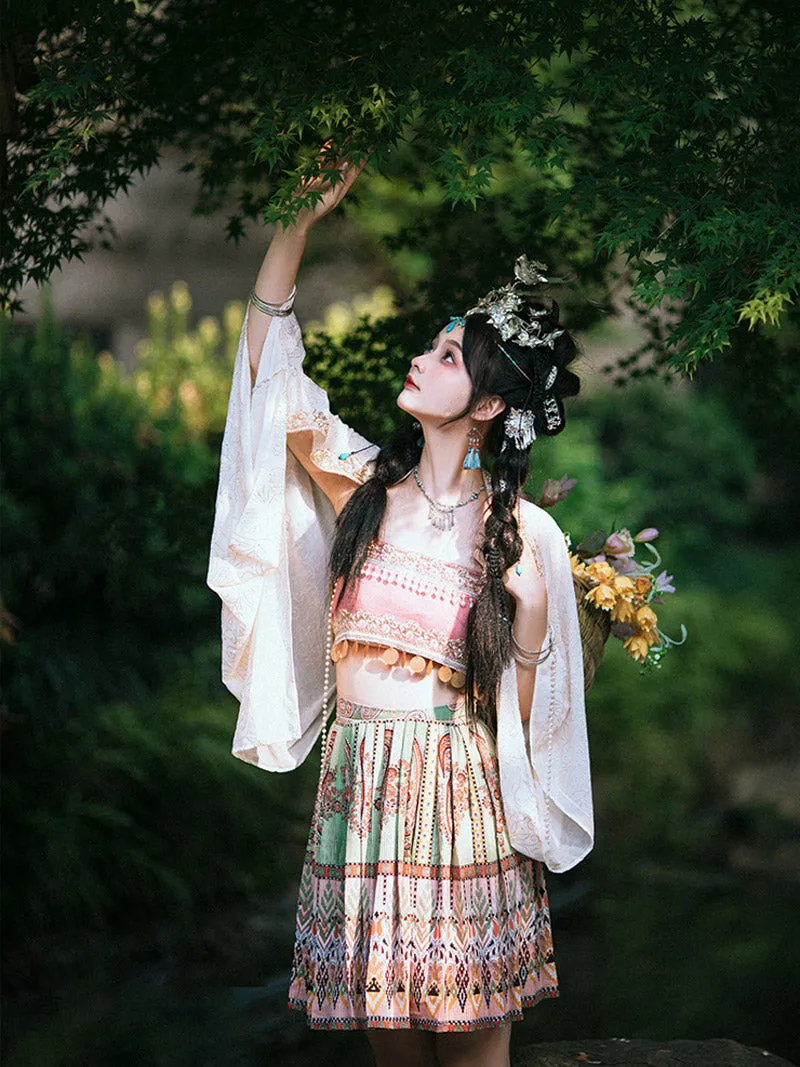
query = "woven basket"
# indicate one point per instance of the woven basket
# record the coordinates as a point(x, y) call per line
point(595, 626)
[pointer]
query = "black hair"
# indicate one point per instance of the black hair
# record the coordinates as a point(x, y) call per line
point(533, 379)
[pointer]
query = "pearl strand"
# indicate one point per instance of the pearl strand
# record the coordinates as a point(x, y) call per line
point(325, 686)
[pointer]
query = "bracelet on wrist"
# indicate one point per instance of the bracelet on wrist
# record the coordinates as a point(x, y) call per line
point(528, 657)
point(276, 310)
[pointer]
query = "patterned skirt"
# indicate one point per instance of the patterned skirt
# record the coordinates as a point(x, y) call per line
point(414, 911)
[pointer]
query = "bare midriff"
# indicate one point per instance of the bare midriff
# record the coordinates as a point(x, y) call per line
point(363, 678)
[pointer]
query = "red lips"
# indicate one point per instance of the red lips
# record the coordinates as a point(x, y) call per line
point(411, 383)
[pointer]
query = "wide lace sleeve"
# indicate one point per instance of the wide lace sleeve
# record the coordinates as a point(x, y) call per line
point(544, 765)
point(269, 548)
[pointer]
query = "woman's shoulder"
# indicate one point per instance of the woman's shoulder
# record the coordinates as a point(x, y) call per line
point(537, 522)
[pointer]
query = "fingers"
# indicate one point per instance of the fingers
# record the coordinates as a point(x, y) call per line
point(347, 170)
point(350, 171)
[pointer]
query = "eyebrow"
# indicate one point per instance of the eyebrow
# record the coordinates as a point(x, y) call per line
point(453, 341)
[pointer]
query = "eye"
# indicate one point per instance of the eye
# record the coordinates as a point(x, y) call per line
point(449, 355)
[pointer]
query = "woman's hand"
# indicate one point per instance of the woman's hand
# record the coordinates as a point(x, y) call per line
point(523, 581)
point(277, 275)
point(331, 193)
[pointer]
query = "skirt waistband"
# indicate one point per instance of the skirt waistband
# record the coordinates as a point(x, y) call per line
point(348, 711)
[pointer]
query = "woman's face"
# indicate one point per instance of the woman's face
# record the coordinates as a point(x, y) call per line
point(438, 385)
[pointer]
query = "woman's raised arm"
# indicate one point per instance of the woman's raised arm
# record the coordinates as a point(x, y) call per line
point(276, 277)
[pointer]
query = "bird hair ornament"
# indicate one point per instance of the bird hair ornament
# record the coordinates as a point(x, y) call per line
point(505, 307)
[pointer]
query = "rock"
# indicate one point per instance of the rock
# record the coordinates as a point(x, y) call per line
point(622, 1052)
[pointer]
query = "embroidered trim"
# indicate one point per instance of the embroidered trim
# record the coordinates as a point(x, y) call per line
point(317, 421)
point(453, 576)
point(327, 459)
point(407, 636)
point(402, 578)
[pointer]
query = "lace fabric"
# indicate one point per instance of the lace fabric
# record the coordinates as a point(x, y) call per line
point(268, 563)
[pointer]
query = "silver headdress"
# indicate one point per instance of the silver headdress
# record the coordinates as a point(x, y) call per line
point(505, 307)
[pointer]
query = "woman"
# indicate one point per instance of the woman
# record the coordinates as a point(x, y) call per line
point(457, 764)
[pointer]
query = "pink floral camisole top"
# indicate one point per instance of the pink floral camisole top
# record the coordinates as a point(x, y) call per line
point(409, 609)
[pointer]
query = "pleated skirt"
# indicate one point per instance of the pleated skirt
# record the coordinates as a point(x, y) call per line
point(414, 911)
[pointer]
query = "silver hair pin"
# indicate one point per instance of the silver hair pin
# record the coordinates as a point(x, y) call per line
point(551, 413)
point(516, 365)
point(519, 426)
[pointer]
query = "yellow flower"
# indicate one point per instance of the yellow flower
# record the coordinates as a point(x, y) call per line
point(602, 596)
point(646, 618)
point(637, 646)
point(600, 571)
point(624, 611)
point(578, 568)
point(651, 636)
point(643, 585)
point(624, 587)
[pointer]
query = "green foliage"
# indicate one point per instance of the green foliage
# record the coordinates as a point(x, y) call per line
point(675, 458)
point(183, 374)
point(118, 732)
point(98, 487)
point(638, 462)
point(666, 132)
point(134, 811)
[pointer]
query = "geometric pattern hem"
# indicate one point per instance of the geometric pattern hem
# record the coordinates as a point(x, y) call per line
point(373, 1022)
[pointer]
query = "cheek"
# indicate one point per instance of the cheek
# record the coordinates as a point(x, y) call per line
point(459, 391)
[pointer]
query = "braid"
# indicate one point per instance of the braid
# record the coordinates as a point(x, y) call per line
point(360, 519)
point(529, 379)
point(489, 623)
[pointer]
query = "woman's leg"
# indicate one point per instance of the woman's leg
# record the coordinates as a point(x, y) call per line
point(477, 1048)
point(402, 1048)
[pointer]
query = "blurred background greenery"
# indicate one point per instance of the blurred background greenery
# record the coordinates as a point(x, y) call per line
point(149, 877)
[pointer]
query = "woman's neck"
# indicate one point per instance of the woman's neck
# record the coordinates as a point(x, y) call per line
point(441, 465)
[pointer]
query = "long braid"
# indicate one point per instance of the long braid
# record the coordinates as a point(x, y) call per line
point(489, 623)
point(360, 519)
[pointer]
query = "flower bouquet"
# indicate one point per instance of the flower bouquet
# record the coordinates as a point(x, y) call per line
point(614, 590)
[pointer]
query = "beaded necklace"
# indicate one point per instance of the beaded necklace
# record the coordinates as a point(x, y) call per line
point(441, 515)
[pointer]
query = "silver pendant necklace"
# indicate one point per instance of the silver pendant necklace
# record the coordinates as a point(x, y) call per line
point(441, 515)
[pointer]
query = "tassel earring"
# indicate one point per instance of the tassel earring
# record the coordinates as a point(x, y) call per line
point(472, 460)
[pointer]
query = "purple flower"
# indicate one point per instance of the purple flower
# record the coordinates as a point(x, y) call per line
point(555, 490)
point(620, 543)
point(650, 533)
point(624, 564)
point(663, 583)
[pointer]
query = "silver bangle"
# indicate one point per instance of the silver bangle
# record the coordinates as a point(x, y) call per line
point(278, 310)
point(526, 656)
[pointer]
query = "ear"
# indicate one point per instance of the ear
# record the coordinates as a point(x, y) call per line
point(488, 408)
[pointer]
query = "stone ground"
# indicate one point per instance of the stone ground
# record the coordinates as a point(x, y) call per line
point(621, 1052)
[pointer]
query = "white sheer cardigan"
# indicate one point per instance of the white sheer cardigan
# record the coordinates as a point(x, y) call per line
point(268, 564)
